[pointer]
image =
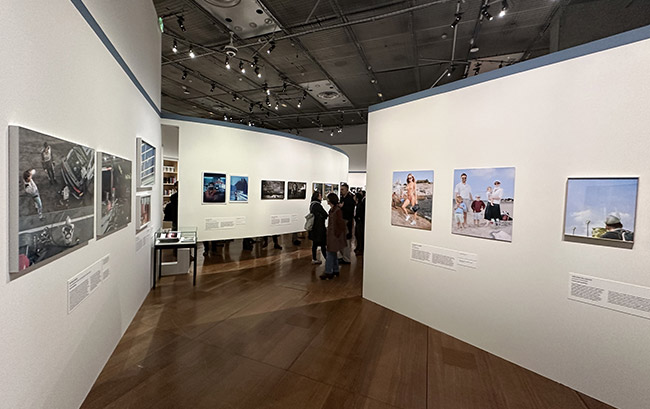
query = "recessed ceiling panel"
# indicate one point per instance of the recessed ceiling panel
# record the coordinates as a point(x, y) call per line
point(244, 17)
point(327, 94)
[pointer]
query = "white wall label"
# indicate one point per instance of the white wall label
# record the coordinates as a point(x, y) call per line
point(240, 220)
point(613, 295)
point(435, 256)
point(86, 282)
point(294, 218)
point(219, 223)
point(469, 260)
point(280, 219)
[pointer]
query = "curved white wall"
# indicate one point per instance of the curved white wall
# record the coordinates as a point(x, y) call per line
point(60, 79)
point(240, 151)
point(586, 116)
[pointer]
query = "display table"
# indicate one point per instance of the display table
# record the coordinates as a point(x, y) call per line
point(166, 240)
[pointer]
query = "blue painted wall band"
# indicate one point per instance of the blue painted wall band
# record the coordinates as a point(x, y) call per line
point(85, 13)
point(169, 115)
point(614, 41)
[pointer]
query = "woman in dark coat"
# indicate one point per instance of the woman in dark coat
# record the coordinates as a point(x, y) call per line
point(335, 237)
point(318, 233)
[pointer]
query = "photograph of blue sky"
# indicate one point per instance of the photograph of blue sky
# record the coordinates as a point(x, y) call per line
point(400, 177)
point(592, 200)
point(480, 179)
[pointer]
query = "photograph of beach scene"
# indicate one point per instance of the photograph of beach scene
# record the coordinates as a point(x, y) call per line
point(601, 208)
point(412, 199)
point(483, 202)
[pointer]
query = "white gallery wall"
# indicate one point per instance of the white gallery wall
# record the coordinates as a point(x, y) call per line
point(582, 117)
point(61, 80)
point(219, 147)
point(358, 159)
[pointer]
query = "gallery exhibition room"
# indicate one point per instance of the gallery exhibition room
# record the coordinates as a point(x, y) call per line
point(166, 242)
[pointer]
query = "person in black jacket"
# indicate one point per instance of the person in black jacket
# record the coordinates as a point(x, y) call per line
point(318, 233)
point(347, 207)
point(360, 221)
point(171, 209)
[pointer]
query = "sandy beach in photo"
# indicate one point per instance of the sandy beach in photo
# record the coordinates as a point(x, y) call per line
point(502, 232)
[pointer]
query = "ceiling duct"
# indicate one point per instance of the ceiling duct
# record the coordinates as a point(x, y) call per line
point(244, 17)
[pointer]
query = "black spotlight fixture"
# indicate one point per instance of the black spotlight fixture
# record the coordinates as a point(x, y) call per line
point(486, 13)
point(184, 75)
point(227, 62)
point(271, 48)
point(242, 68)
point(456, 20)
point(181, 23)
point(175, 47)
point(257, 72)
point(504, 8)
point(212, 87)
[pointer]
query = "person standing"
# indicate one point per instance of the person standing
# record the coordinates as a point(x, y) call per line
point(336, 241)
point(347, 208)
point(359, 222)
point(464, 190)
point(318, 233)
point(48, 162)
point(32, 190)
point(497, 194)
point(171, 209)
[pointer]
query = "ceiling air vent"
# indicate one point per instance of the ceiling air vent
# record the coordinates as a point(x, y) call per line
point(246, 18)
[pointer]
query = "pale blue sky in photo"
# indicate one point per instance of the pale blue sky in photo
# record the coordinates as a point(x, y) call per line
point(480, 179)
point(418, 174)
point(594, 199)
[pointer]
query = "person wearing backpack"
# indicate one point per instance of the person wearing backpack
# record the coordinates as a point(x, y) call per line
point(615, 230)
point(318, 232)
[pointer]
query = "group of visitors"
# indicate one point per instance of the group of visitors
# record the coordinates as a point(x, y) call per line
point(346, 217)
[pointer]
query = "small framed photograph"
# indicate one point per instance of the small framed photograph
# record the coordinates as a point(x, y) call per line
point(146, 164)
point(214, 187)
point(272, 190)
point(239, 189)
point(601, 210)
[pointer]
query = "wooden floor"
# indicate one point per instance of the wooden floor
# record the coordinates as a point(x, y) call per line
point(261, 330)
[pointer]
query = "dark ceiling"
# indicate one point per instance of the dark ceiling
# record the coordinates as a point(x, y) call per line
point(334, 58)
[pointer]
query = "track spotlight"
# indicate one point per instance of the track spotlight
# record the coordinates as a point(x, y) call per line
point(271, 48)
point(212, 87)
point(485, 13)
point(277, 106)
point(250, 108)
point(456, 20)
point(451, 70)
point(320, 129)
point(175, 47)
point(184, 75)
point(191, 53)
point(504, 8)
point(299, 104)
point(332, 132)
point(268, 102)
point(227, 63)
point(225, 117)
point(181, 23)
point(257, 72)
point(340, 129)
point(284, 87)
point(242, 68)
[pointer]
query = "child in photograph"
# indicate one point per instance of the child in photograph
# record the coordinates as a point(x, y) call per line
point(459, 212)
point(32, 190)
point(477, 207)
point(411, 199)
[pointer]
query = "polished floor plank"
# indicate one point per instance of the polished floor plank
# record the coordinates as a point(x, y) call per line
point(261, 330)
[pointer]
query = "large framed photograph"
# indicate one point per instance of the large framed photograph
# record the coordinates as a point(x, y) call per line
point(483, 203)
point(412, 199)
point(272, 190)
point(143, 206)
point(601, 210)
point(51, 198)
point(146, 164)
point(327, 189)
point(214, 187)
point(114, 209)
point(296, 190)
point(239, 189)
